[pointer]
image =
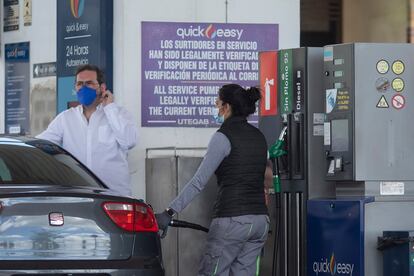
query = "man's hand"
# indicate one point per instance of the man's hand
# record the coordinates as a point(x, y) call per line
point(163, 220)
point(107, 97)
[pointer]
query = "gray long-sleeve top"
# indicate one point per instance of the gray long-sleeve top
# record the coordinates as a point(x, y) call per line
point(218, 148)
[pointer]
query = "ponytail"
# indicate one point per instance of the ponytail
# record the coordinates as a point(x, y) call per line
point(242, 101)
point(253, 94)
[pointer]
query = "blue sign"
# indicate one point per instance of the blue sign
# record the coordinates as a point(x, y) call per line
point(17, 88)
point(335, 236)
point(84, 36)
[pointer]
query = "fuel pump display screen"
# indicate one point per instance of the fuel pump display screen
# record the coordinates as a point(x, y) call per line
point(340, 136)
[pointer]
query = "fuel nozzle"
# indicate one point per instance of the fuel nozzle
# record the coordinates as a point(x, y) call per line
point(276, 151)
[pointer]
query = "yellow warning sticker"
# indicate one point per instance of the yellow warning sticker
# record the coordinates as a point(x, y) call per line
point(397, 84)
point(398, 67)
point(382, 103)
point(382, 66)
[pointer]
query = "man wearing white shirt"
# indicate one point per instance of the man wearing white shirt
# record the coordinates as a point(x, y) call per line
point(97, 132)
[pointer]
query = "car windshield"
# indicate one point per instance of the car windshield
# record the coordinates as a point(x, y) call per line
point(37, 162)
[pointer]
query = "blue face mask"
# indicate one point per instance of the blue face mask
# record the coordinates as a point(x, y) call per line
point(217, 117)
point(86, 95)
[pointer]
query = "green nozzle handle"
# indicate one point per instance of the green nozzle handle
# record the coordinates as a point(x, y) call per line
point(276, 150)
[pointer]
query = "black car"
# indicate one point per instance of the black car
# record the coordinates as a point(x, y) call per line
point(58, 218)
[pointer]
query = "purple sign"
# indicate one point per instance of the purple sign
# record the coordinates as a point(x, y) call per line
point(185, 64)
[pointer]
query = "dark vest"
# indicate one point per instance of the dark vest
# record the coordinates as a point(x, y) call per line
point(240, 176)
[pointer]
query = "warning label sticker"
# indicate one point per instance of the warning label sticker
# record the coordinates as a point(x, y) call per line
point(392, 188)
point(382, 84)
point(398, 84)
point(382, 66)
point(398, 67)
point(398, 101)
point(382, 103)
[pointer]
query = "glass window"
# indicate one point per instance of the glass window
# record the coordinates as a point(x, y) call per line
point(340, 136)
point(4, 171)
point(42, 163)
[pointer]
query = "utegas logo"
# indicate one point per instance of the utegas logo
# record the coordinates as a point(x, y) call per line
point(209, 32)
point(332, 267)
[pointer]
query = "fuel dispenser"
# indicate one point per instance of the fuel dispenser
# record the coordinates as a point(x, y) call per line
point(291, 116)
point(368, 145)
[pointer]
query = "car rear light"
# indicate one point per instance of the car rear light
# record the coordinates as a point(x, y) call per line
point(133, 217)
